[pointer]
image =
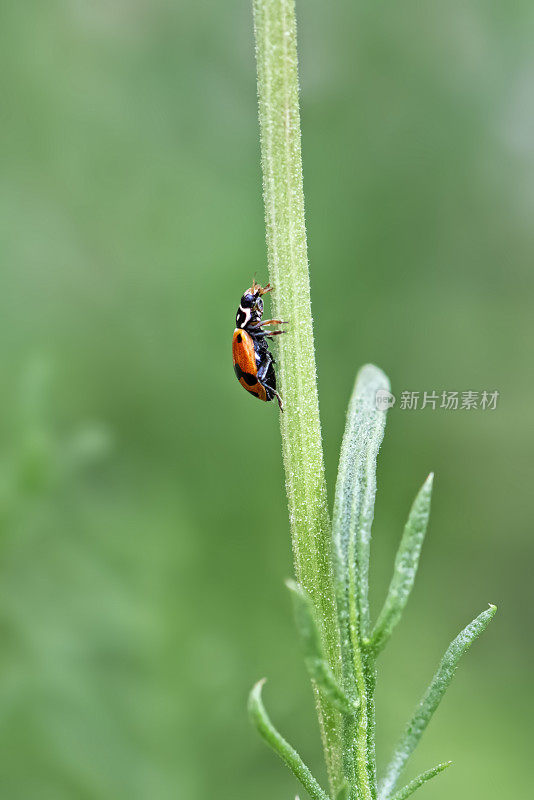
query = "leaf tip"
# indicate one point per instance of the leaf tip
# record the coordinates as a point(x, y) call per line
point(370, 373)
point(254, 698)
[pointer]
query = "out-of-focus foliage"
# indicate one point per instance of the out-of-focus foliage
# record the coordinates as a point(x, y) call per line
point(141, 592)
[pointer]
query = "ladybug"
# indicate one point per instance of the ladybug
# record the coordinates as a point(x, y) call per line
point(253, 363)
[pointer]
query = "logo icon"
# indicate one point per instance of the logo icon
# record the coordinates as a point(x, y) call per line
point(384, 400)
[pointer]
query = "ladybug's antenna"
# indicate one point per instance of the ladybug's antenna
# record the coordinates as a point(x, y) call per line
point(259, 290)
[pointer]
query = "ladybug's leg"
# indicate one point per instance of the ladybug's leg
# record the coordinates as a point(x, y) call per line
point(261, 323)
point(273, 391)
point(280, 404)
point(262, 372)
point(264, 366)
point(259, 334)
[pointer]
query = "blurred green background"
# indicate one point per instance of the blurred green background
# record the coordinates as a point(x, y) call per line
point(144, 534)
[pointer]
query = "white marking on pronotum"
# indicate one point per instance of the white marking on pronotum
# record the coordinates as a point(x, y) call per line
point(247, 313)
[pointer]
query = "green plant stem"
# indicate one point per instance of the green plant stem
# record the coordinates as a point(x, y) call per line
point(276, 53)
point(364, 768)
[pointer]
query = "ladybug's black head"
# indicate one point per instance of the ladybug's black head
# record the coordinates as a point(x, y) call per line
point(251, 306)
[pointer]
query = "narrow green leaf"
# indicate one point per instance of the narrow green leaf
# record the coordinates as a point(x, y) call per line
point(406, 564)
point(431, 699)
point(314, 657)
point(356, 489)
point(411, 787)
point(287, 753)
point(353, 516)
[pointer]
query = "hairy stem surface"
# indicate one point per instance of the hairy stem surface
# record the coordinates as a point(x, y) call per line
point(276, 53)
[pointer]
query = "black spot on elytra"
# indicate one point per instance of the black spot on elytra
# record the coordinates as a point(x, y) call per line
point(249, 379)
point(239, 338)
